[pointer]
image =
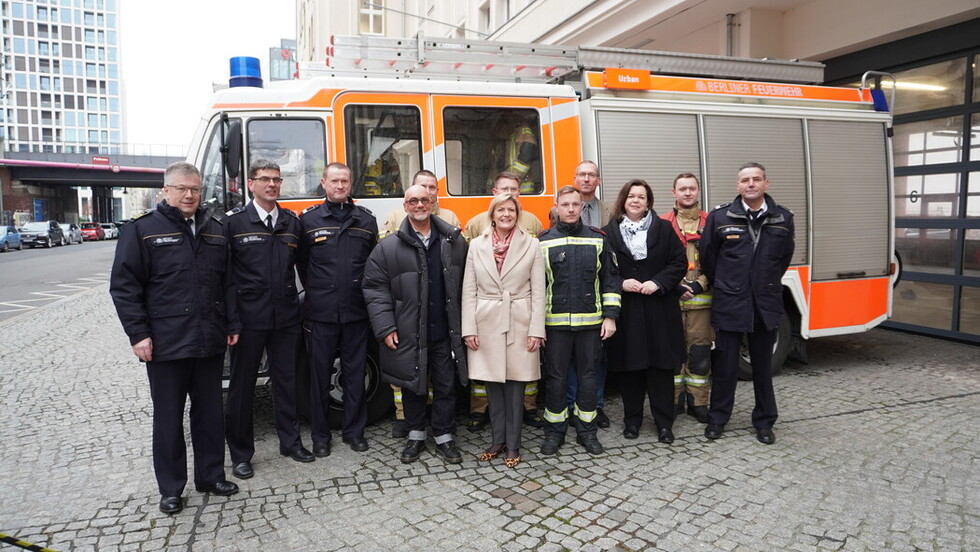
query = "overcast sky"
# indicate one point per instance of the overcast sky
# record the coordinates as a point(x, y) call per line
point(173, 51)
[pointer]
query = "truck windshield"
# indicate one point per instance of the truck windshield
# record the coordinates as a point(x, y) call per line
point(298, 146)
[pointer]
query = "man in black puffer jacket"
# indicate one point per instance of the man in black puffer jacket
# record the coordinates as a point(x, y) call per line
point(412, 286)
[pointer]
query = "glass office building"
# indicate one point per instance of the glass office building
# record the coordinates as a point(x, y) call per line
point(60, 76)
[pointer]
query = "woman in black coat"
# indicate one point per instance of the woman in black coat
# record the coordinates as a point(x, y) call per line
point(649, 342)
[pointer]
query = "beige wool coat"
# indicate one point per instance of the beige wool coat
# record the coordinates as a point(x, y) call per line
point(504, 308)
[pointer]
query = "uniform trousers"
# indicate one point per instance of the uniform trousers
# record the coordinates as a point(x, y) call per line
point(442, 379)
point(600, 381)
point(506, 412)
point(652, 383)
point(725, 375)
point(561, 345)
point(280, 347)
point(324, 341)
point(171, 382)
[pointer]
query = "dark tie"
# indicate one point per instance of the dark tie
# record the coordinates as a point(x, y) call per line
point(268, 222)
point(190, 222)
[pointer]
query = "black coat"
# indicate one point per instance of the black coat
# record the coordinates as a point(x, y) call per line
point(649, 332)
point(746, 275)
point(396, 289)
point(332, 256)
point(262, 294)
point(169, 285)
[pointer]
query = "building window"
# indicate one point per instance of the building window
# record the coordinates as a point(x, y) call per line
point(372, 19)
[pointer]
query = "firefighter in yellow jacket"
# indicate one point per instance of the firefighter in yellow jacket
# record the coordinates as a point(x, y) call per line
point(693, 384)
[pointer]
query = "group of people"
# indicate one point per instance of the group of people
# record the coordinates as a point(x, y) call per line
point(617, 288)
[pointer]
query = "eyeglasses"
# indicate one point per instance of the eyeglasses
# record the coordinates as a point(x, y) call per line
point(417, 200)
point(194, 190)
point(267, 179)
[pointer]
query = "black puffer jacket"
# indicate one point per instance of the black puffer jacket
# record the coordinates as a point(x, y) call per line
point(396, 290)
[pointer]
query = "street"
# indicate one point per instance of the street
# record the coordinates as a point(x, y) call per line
point(36, 277)
point(877, 450)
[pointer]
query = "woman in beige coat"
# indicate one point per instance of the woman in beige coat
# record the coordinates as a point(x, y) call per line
point(503, 320)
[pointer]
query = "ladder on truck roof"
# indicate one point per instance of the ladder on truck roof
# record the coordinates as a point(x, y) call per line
point(484, 60)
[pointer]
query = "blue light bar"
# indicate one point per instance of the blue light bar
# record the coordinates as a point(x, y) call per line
point(245, 71)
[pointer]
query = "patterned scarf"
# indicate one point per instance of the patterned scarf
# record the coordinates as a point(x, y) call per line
point(635, 235)
point(500, 247)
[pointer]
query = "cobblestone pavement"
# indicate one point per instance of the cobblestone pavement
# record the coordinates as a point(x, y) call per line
point(876, 450)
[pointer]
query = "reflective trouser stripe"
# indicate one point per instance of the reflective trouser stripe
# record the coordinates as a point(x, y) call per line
point(554, 418)
point(678, 379)
point(702, 300)
point(398, 394)
point(478, 389)
point(696, 381)
point(527, 187)
point(531, 389)
point(585, 416)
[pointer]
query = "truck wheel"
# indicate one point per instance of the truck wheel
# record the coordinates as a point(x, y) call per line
point(377, 394)
point(780, 350)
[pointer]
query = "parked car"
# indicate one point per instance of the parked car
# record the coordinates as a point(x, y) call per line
point(72, 232)
point(92, 231)
point(44, 234)
point(111, 232)
point(10, 239)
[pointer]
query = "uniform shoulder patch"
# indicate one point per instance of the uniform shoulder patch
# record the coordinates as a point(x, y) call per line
point(365, 209)
point(288, 211)
point(722, 206)
point(139, 215)
point(235, 211)
point(218, 218)
point(312, 208)
point(600, 231)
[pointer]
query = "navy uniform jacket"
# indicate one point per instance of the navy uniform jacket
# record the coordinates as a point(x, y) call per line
point(332, 255)
point(169, 285)
point(262, 294)
point(746, 265)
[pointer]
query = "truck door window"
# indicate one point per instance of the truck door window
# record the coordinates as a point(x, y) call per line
point(214, 188)
point(384, 148)
point(483, 141)
point(298, 146)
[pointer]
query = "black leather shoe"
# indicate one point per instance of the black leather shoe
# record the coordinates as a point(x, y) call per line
point(449, 452)
point(221, 488)
point(552, 442)
point(357, 444)
point(714, 431)
point(631, 432)
point(665, 435)
point(303, 455)
point(591, 444)
point(399, 429)
point(413, 449)
point(243, 470)
point(765, 436)
point(601, 419)
point(171, 504)
point(321, 450)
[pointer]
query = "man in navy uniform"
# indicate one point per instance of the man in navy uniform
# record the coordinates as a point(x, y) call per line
point(263, 239)
point(337, 237)
point(746, 247)
point(168, 286)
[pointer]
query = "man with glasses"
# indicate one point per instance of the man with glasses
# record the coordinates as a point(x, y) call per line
point(168, 285)
point(336, 239)
point(412, 285)
point(262, 241)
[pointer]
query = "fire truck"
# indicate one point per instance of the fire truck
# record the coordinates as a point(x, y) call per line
point(388, 107)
